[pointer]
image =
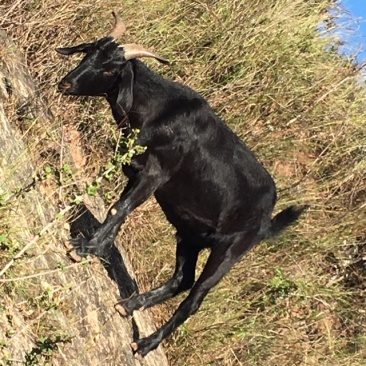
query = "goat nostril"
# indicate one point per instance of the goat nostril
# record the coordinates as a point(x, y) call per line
point(65, 85)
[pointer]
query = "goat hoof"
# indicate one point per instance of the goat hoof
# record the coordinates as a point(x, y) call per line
point(68, 245)
point(121, 309)
point(134, 346)
point(143, 346)
point(76, 258)
point(139, 357)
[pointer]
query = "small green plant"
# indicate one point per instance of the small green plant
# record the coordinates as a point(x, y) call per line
point(280, 286)
point(6, 243)
point(48, 172)
point(125, 150)
point(63, 176)
point(75, 199)
point(43, 350)
point(92, 189)
point(3, 239)
point(61, 265)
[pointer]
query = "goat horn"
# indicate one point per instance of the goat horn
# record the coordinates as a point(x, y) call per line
point(133, 50)
point(119, 27)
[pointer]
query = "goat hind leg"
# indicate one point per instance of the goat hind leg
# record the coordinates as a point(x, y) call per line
point(183, 279)
point(221, 260)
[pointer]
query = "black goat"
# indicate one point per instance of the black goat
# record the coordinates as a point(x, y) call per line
point(207, 181)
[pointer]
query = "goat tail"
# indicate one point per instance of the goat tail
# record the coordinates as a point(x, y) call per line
point(283, 219)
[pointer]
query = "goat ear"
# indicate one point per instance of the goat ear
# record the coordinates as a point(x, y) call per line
point(133, 50)
point(125, 92)
point(76, 49)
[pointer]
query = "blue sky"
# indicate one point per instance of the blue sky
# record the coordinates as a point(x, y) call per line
point(358, 39)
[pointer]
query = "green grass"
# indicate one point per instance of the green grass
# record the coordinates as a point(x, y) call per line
point(275, 76)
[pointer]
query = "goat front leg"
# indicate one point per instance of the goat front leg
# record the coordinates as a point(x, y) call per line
point(139, 188)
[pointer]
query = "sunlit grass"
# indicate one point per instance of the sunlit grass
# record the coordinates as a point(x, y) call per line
point(282, 86)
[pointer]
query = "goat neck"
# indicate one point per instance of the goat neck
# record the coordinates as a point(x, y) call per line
point(138, 97)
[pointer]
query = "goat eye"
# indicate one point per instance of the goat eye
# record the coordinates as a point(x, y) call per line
point(108, 73)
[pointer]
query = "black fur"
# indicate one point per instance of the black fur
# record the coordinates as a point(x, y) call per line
point(207, 181)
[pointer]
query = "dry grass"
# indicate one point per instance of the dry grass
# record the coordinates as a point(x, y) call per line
point(274, 75)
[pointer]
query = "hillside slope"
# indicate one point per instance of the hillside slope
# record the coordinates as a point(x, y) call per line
point(272, 71)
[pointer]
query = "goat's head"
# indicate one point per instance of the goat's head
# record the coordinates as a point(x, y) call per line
point(103, 65)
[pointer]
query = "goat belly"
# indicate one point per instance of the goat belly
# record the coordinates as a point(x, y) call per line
point(187, 211)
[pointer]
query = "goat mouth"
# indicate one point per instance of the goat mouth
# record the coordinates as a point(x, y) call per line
point(65, 91)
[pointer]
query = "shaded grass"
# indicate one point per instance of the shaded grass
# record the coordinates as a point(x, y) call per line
point(273, 73)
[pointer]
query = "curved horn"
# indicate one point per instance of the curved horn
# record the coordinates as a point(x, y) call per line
point(133, 50)
point(119, 27)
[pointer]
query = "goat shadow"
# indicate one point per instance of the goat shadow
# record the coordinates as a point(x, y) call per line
point(84, 223)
